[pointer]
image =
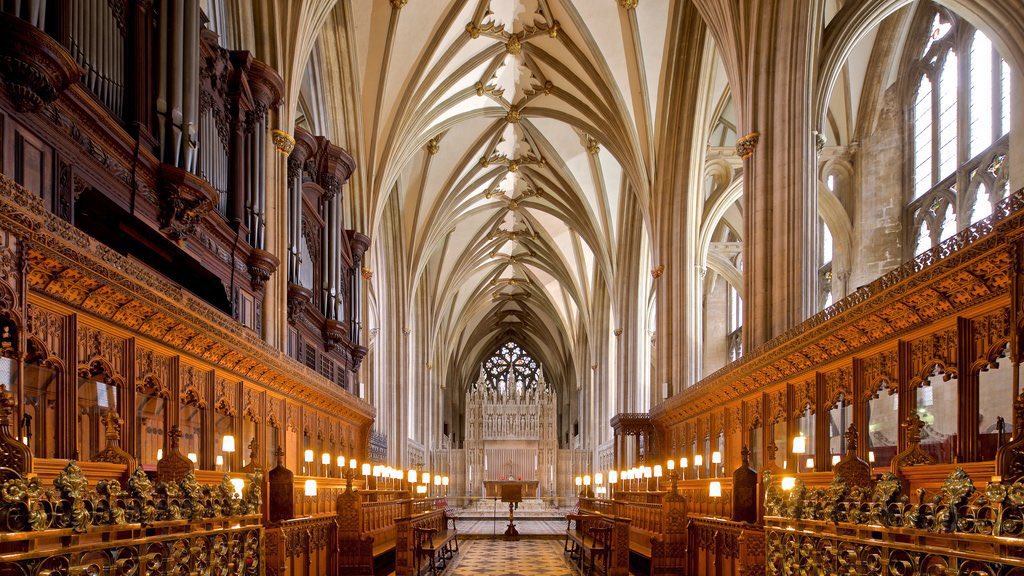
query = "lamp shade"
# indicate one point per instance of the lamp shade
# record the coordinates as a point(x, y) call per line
point(586, 479)
point(836, 458)
point(444, 481)
point(310, 487)
point(716, 457)
point(193, 457)
point(377, 471)
point(657, 470)
point(308, 456)
point(437, 480)
point(788, 483)
point(698, 460)
point(325, 459)
point(352, 463)
point(810, 463)
point(613, 477)
point(159, 453)
point(227, 444)
point(579, 481)
point(219, 460)
point(871, 456)
point(341, 461)
point(412, 476)
point(684, 462)
point(715, 489)
point(648, 472)
point(598, 478)
point(671, 465)
point(799, 444)
point(366, 469)
point(425, 478)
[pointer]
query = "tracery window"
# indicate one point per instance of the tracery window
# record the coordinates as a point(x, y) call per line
point(959, 121)
point(511, 359)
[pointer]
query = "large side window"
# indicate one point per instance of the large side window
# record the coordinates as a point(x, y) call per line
point(959, 115)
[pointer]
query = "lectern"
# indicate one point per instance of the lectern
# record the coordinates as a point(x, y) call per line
point(513, 494)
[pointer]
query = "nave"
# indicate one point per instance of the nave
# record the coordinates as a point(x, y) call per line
point(648, 287)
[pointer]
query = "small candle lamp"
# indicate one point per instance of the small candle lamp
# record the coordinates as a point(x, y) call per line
point(219, 461)
point(810, 464)
point(307, 457)
point(239, 485)
point(716, 460)
point(310, 487)
point(227, 445)
point(698, 463)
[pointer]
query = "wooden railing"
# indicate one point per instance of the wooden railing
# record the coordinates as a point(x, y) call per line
point(657, 525)
point(303, 546)
point(621, 543)
point(405, 545)
point(724, 548)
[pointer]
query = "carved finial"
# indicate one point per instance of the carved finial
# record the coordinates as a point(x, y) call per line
point(851, 439)
point(913, 424)
point(175, 435)
point(279, 453)
point(7, 404)
point(745, 456)
point(771, 450)
point(254, 449)
point(112, 423)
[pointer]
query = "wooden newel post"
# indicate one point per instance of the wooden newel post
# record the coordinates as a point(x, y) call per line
point(744, 491)
point(620, 547)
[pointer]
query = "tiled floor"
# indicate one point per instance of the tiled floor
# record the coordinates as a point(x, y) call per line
point(525, 526)
point(500, 558)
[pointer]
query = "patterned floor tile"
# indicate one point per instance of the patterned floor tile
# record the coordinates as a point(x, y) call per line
point(501, 558)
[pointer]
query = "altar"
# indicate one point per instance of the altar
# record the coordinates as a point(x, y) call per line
point(492, 488)
point(511, 435)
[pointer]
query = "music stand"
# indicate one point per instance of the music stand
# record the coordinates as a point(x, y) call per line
point(513, 494)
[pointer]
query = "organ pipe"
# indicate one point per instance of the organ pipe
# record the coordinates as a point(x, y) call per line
point(178, 82)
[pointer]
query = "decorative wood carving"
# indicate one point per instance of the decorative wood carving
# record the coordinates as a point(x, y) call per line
point(880, 370)
point(225, 403)
point(838, 382)
point(850, 469)
point(113, 452)
point(13, 454)
point(935, 350)
point(34, 67)
point(174, 466)
point(184, 200)
point(914, 455)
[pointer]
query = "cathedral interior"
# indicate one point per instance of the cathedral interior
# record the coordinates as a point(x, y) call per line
point(511, 287)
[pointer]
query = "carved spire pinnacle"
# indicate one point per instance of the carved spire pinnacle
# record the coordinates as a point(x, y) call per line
point(851, 439)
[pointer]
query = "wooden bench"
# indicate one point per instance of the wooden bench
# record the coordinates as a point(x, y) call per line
point(657, 529)
point(436, 546)
point(424, 534)
point(595, 540)
point(367, 527)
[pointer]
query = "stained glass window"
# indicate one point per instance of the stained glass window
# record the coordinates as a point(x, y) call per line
point(511, 358)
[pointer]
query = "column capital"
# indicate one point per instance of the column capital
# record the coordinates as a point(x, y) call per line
point(283, 141)
point(745, 146)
